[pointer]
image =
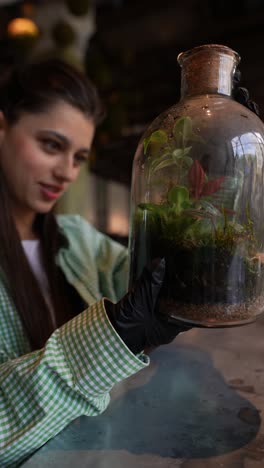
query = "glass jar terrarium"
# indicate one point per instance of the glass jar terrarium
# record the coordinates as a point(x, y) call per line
point(198, 198)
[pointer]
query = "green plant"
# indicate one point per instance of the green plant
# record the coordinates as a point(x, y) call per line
point(164, 152)
point(189, 213)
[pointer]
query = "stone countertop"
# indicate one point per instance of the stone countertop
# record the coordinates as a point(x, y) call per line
point(198, 405)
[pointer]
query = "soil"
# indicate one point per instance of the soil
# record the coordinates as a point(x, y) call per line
point(207, 286)
point(213, 315)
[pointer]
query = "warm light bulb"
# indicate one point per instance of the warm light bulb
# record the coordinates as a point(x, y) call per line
point(22, 27)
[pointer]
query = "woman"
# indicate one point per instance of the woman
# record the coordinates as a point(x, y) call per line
point(59, 358)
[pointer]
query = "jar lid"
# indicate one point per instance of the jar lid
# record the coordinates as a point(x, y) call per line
point(208, 48)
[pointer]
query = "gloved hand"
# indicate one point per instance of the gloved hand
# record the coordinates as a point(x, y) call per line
point(135, 316)
point(241, 94)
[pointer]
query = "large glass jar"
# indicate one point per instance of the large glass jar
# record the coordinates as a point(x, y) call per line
point(198, 198)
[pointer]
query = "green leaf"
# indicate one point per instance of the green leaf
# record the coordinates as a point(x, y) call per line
point(180, 153)
point(178, 157)
point(179, 196)
point(199, 214)
point(211, 209)
point(161, 164)
point(238, 228)
point(159, 137)
point(148, 206)
point(199, 229)
point(182, 131)
point(187, 150)
point(187, 162)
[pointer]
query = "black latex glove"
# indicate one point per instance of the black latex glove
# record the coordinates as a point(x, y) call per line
point(135, 316)
point(241, 94)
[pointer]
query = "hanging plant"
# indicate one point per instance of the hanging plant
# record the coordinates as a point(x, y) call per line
point(65, 54)
point(78, 7)
point(63, 34)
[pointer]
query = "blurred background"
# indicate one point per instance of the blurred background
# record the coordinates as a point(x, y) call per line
point(129, 49)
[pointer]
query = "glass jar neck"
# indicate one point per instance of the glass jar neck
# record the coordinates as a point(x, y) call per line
point(208, 69)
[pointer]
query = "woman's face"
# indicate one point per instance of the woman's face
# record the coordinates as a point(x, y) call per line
point(41, 154)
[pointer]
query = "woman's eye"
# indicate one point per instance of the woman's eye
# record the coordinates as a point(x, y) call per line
point(51, 145)
point(80, 159)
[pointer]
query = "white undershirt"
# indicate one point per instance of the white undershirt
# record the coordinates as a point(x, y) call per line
point(32, 251)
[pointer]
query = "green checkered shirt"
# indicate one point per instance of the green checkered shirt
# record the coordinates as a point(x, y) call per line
point(42, 391)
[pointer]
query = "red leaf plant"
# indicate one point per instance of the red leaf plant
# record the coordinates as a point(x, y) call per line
point(197, 180)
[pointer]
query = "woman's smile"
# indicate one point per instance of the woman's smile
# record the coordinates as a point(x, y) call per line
point(51, 192)
point(41, 155)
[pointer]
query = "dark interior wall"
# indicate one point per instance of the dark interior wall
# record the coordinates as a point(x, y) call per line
point(136, 47)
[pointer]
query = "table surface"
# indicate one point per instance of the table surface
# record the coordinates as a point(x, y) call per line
point(198, 405)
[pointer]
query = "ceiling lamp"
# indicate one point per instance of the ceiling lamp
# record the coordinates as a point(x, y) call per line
point(22, 27)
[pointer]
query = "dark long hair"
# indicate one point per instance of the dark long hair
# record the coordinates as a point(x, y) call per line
point(32, 89)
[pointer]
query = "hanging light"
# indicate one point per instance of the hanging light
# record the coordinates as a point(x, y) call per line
point(22, 27)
